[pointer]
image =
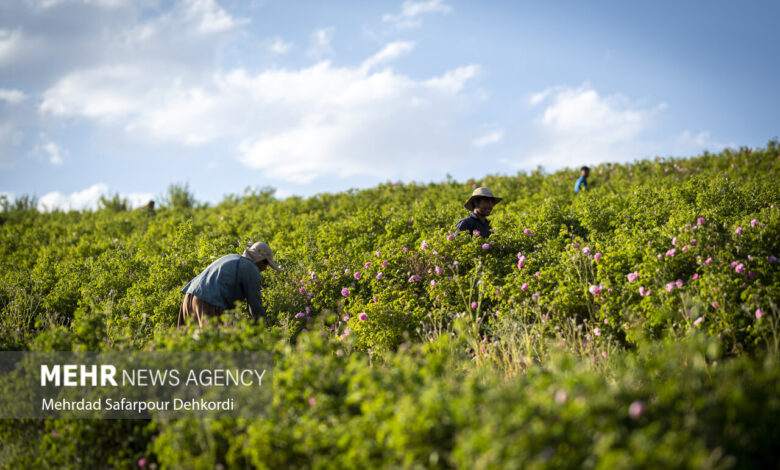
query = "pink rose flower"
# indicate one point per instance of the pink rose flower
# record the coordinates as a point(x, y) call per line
point(363, 317)
point(636, 409)
point(379, 276)
point(524, 287)
point(357, 275)
point(759, 314)
point(437, 270)
point(701, 221)
point(698, 321)
point(345, 292)
point(633, 276)
point(485, 246)
point(597, 257)
point(596, 290)
point(473, 305)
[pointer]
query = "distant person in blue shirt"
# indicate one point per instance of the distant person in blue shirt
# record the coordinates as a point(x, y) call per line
point(582, 181)
point(223, 282)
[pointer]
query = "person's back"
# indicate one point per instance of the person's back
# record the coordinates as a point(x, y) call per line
point(221, 283)
point(225, 281)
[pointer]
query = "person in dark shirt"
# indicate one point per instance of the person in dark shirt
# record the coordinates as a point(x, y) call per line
point(480, 204)
point(582, 181)
point(226, 280)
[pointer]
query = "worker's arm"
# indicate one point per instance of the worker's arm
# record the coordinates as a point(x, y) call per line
point(252, 280)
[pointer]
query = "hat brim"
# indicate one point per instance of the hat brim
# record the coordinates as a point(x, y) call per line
point(470, 203)
point(272, 265)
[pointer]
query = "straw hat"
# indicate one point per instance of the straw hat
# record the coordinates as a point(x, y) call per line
point(481, 192)
point(260, 251)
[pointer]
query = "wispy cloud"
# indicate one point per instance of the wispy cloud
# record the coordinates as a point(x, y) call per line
point(320, 43)
point(488, 139)
point(12, 96)
point(389, 53)
point(278, 46)
point(411, 13)
point(10, 44)
point(50, 150)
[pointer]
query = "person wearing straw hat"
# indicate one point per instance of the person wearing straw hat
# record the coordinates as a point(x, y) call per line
point(480, 204)
point(226, 280)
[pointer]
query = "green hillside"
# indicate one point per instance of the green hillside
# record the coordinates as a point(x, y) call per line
point(631, 326)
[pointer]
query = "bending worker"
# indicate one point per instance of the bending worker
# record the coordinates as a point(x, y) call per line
point(226, 280)
point(480, 204)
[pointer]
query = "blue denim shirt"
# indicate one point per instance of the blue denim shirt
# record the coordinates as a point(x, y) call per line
point(581, 183)
point(227, 280)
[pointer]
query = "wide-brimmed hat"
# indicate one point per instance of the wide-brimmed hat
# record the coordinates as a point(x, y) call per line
point(481, 192)
point(260, 251)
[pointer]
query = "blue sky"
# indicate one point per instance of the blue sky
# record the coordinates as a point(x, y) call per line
point(128, 96)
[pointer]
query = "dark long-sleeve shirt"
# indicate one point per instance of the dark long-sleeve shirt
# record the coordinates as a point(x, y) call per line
point(227, 280)
point(472, 223)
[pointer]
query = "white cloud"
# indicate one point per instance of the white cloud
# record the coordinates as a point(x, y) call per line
point(10, 44)
point(410, 14)
point(51, 150)
point(378, 124)
point(389, 53)
point(580, 126)
point(488, 139)
point(103, 92)
point(320, 42)
point(186, 18)
point(88, 199)
point(278, 46)
point(79, 200)
point(137, 199)
point(454, 80)
point(294, 125)
point(11, 96)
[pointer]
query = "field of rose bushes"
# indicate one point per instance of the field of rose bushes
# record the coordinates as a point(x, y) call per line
point(633, 326)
